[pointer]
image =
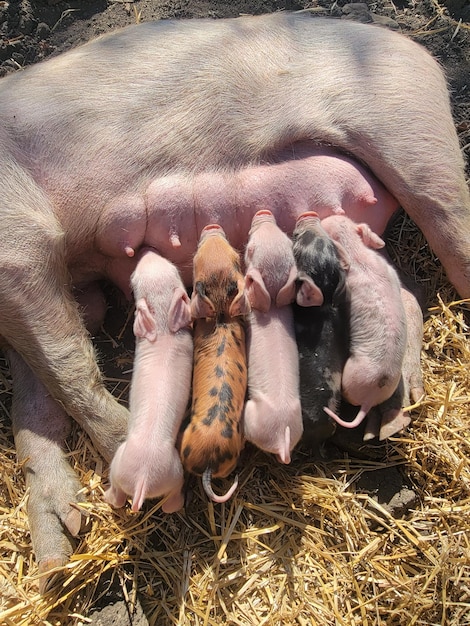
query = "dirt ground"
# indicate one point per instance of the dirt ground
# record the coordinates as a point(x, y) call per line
point(33, 30)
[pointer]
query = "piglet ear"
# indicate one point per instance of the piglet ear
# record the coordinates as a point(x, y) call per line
point(240, 304)
point(144, 322)
point(286, 294)
point(370, 239)
point(343, 256)
point(256, 291)
point(340, 292)
point(309, 294)
point(179, 315)
point(201, 306)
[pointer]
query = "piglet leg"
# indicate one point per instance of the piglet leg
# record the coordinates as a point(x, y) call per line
point(40, 427)
point(412, 373)
point(388, 418)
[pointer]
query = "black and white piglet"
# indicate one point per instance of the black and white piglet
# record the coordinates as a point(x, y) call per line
point(320, 318)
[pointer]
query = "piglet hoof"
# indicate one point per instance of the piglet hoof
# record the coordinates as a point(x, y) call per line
point(372, 428)
point(393, 417)
point(115, 497)
point(393, 420)
point(206, 483)
point(174, 502)
point(417, 394)
point(412, 385)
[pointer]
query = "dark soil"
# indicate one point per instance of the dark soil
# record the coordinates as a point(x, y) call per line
point(31, 30)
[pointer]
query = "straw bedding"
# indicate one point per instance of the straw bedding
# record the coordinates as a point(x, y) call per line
point(302, 544)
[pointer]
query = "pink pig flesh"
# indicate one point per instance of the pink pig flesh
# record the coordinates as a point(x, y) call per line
point(147, 464)
point(172, 211)
point(378, 333)
point(273, 417)
point(89, 159)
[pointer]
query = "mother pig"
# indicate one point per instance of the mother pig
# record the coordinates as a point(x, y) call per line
point(145, 136)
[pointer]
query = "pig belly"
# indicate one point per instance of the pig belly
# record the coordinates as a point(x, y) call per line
point(312, 179)
point(187, 98)
point(176, 208)
point(316, 179)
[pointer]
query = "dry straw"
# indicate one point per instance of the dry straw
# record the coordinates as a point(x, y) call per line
point(302, 544)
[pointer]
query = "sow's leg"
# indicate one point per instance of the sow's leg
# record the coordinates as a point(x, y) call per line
point(40, 318)
point(40, 427)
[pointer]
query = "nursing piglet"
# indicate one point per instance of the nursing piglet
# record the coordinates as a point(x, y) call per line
point(320, 325)
point(378, 335)
point(213, 439)
point(147, 464)
point(272, 418)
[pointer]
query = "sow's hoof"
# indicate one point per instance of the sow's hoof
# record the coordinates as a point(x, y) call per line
point(54, 520)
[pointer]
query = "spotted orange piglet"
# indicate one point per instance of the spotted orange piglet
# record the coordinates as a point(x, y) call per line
point(212, 441)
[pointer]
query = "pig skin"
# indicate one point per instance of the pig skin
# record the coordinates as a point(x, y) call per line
point(377, 327)
point(320, 329)
point(272, 418)
point(213, 439)
point(391, 417)
point(147, 464)
point(82, 152)
point(40, 428)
